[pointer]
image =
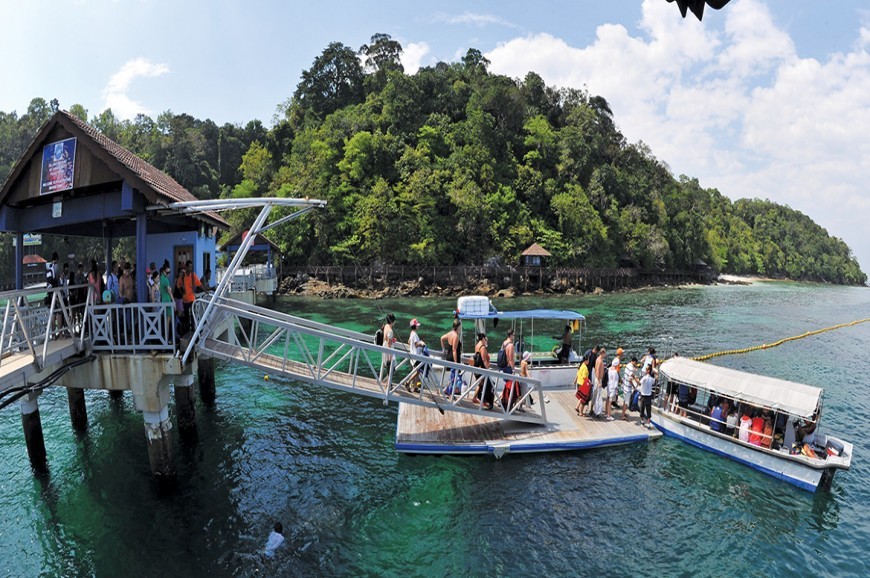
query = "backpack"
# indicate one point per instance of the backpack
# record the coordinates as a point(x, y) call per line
point(606, 377)
point(379, 336)
point(633, 404)
point(501, 359)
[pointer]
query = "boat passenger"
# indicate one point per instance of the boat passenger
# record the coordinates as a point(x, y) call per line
point(731, 422)
point(592, 356)
point(612, 387)
point(806, 431)
point(745, 424)
point(767, 433)
point(756, 430)
point(717, 418)
point(565, 352)
point(683, 398)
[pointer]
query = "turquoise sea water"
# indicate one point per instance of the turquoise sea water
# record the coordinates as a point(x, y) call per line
point(323, 463)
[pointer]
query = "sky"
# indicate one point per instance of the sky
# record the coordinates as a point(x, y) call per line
point(763, 99)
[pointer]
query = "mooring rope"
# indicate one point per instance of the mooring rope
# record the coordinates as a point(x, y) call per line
point(780, 342)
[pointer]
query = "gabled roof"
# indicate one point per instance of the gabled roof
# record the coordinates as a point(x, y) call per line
point(237, 240)
point(536, 250)
point(155, 185)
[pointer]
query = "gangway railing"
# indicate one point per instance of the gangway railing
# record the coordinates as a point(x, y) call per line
point(315, 353)
point(132, 327)
point(32, 318)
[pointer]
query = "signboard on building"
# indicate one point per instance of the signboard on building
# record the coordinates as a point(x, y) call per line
point(32, 239)
point(58, 162)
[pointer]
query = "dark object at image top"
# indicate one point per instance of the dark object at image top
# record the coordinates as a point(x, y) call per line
point(697, 6)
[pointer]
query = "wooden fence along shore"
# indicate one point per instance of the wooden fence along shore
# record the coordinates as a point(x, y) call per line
point(522, 278)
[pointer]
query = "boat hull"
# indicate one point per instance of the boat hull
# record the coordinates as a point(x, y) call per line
point(776, 464)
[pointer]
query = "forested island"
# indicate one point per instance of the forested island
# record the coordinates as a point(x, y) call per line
point(457, 165)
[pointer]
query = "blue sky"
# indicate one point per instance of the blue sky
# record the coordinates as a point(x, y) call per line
point(765, 98)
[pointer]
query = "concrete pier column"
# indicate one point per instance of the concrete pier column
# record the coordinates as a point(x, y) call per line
point(205, 371)
point(32, 425)
point(78, 412)
point(158, 430)
point(185, 408)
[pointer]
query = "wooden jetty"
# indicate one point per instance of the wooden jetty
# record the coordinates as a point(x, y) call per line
point(424, 430)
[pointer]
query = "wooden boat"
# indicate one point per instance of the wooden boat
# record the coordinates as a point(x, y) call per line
point(546, 366)
point(786, 405)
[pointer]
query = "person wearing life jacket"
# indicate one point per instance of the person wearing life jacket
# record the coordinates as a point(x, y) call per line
point(756, 430)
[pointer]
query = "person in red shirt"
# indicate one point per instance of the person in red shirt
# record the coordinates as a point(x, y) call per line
point(187, 282)
point(755, 430)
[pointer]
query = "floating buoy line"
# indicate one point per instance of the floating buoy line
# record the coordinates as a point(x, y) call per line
point(780, 342)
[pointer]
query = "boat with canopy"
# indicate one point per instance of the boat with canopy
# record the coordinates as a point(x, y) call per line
point(699, 403)
point(535, 331)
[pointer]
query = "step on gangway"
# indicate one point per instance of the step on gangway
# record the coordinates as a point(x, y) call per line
point(317, 354)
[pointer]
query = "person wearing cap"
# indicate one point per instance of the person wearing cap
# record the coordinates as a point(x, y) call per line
point(525, 367)
point(629, 383)
point(415, 346)
point(618, 360)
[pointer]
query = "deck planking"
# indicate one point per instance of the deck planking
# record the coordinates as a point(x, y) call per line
point(424, 430)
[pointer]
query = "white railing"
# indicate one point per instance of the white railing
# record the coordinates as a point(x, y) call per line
point(33, 317)
point(315, 353)
point(132, 327)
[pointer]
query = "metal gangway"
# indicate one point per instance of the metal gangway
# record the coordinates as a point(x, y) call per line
point(323, 355)
point(280, 344)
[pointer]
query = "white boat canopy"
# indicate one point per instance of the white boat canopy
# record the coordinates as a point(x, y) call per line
point(778, 394)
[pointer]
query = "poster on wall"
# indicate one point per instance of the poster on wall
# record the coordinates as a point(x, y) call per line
point(58, 162)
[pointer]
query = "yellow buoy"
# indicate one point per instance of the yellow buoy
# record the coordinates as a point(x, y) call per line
point(266, 377)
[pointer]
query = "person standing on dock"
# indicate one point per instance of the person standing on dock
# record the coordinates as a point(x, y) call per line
point(598, 382)
point(646, 392)
point(612, 387)
point(629, 383)
point(112, 281)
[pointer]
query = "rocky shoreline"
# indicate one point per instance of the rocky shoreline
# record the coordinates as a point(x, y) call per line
point(303, 285)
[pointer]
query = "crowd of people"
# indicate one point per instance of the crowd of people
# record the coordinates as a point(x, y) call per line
point(117, 285)
point(600, 383)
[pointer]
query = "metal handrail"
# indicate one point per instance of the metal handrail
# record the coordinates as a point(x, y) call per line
point(312, 352)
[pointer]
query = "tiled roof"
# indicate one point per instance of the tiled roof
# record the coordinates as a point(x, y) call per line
point(536, 250)
point(162, 183)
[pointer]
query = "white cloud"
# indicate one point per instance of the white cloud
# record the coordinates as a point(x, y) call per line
point(115, 93)
point(737, 108)
point(412, 56)
point(477, 20)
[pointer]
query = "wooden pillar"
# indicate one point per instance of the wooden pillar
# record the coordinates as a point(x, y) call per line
point(158, 430)
point(185, 408)
point(32, 424)
point(205, 371)
point(78, 412)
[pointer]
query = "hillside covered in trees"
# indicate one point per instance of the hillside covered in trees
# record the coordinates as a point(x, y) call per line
point(454, 164)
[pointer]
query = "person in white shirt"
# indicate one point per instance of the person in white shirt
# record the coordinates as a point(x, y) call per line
point(612, 386)
point(415, 346)
point(646, 392)
point(629, 383)
point(276, 538)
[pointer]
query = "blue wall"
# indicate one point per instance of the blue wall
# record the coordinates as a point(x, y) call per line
point(162, 247)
